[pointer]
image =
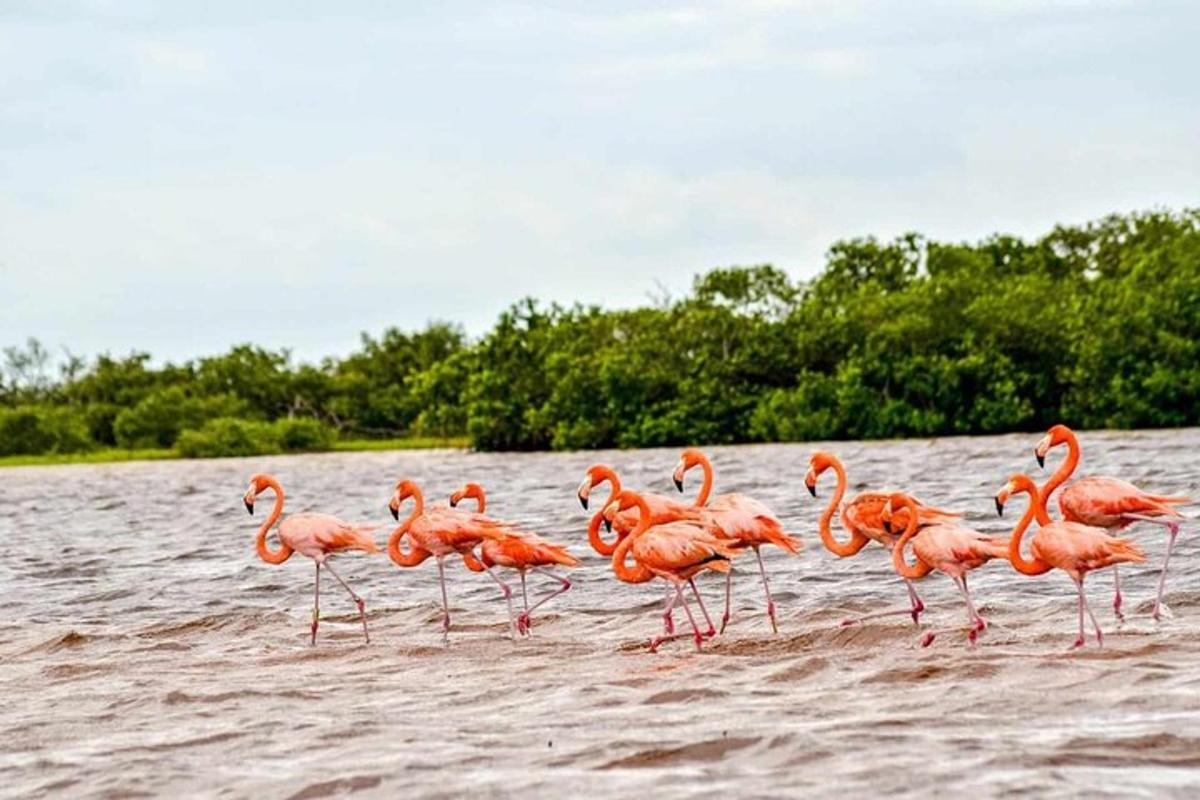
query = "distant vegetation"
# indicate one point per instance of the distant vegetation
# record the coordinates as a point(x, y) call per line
point(1097, 326)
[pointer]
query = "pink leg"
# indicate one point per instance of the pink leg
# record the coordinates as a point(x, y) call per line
point(1172, 531)
point(524, 622)
point(712, 630)
point(728, 599)
point(358, 601)
point(667, 635)
point(668, 621)
point(695, 628)
point(506, 590)
point(445, 601)
point(767, 588)
point(975, 623)
point(1083, 606)
point(914, 610)
point(1117, 599)
point(1080, 640)
point(316, 604)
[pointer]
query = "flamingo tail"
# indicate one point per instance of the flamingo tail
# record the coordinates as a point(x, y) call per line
point(1125, 551)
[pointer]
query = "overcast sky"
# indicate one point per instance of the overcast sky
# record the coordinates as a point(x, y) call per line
point(182, 177)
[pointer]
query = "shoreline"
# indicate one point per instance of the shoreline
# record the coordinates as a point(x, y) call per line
point(116, 455)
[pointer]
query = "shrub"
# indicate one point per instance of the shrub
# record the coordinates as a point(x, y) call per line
point(158, 419)
point(33, 430)
point(228, 436)
point(303, 434)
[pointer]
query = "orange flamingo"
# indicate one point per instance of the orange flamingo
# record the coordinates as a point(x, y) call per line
point(438, 532)
point(662, 509)
point(519, 550)
point(947, 547)
point(861, 516)
point(317, 536)
point(1109, 503)
point(740, 520)
point(1073, 547)
point(674, 551)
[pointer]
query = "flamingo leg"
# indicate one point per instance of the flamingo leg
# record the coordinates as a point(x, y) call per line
point(667, 635)
point(728, 599)
point(445, 600)
point(506, 590)
point(524, 620)
point(712, 631)
point(358, 601)
point(766, 588)
point(1173, 532)
point(1117, 599)
point(975, 623)
point(316, 604)
point(914, 610)
point(1095, 624)
point(687, 610)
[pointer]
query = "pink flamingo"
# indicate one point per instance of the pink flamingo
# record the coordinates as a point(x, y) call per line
point(674, 551)
point(947, 547)
point(861, 516)
point(439, 532)
point(662, 509)
point(317, 536)
point(1073, 547)
point(1109, 503)
point(741, 521)
point(518, 550)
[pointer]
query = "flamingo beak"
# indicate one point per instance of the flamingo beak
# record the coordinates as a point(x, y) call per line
point(249, 506)
point(812, 488)
point(608, 525)
point(454, 502)
point(1041, 459)
point(583, 501)
point(394, 507)
point(584, 490)
point(678, 483)
point(999, 506)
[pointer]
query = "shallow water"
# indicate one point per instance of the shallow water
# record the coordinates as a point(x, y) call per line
point(148, 651)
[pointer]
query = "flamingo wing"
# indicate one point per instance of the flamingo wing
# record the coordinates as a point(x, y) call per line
point(1075, 547)
point(948, 545)
point(311, 534)
point(741, 517)
point(679, 547)
point(1103, 501)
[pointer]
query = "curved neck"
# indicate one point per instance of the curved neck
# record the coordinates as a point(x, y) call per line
point(637, 573)
point(831, 544)
point(260, 542)
point(1037, 508)
point(415, 555)
point(603, 474)
point(480, 498)
point(1064, 471)
point(598, 544)
point(920, 569)
point(706, 487)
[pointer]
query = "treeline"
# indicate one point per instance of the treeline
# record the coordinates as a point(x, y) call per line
point(1097, 326)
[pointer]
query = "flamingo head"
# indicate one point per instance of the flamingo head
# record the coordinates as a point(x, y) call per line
point(689, 458)
point(471, 490)
point(625, 499)
point(258, 484)
point(1058, 434)
point(404, 490)
point(1016, 484)
point(596, 475)
point(817, 463)
point(896, 504)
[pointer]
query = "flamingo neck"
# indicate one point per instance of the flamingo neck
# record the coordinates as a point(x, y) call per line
point(415, 555)
point(903, 569)
point(706, 486)
point(831, 544)
point(260, 542)
point(594, 539)
point(480, 498)
point(1064, 471)
point(600, 475)
point(1036, 508)
point(636, 573)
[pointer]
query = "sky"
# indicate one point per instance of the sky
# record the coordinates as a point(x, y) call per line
point(178, 178)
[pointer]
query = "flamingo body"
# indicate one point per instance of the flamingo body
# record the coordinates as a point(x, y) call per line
point(955, 550)
point(320, 535)
point(1106, 502)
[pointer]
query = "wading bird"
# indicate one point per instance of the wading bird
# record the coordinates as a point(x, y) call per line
point(518, 550)
point(861, 516)
point(317, 536)
point(440, 532)
point(947, 547)
point(1109, 503)
point(741, 521)
point(674, 551)
point(1073, 547)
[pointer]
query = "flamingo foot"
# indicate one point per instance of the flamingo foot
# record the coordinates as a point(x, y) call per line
point(1117, 600)
point(314, 632)
point(668, 624)
point(928, 639)
point(446, 623)
point(1078, 643)
point(771, 614)
point(524, 623)
point(917, 608)
point(698, 638)
point(1161, 612)
point(724, 621)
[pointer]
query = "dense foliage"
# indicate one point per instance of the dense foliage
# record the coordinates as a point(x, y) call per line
point(1098, 326)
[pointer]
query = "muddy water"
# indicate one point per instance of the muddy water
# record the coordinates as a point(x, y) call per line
point(145, 649)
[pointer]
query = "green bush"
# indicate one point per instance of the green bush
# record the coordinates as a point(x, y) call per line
point(158, 419)
point(228, 437)
point(34, 430)
point(303, 435)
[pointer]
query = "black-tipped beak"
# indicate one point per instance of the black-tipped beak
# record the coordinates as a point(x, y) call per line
point(812, 489)
point(999, 507)
point(887, 526)
point(249, 506)
point(678, 483)
point(395, 513)
point(1041, 459)
point(583, 501)
point(608, 525)
point(453, 503)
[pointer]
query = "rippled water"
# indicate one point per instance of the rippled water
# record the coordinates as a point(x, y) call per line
point(146, 649)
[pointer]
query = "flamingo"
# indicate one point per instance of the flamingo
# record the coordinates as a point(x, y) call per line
point(674, 551)
point(947, 547)
point(438, 532)
point(662, 509)
point(1073, 547)
point(741, 520)
point(1109, 503)
point(518, 550)
point(317, 536)
point(861, 516)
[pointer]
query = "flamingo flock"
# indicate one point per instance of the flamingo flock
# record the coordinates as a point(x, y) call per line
point(660, 538)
